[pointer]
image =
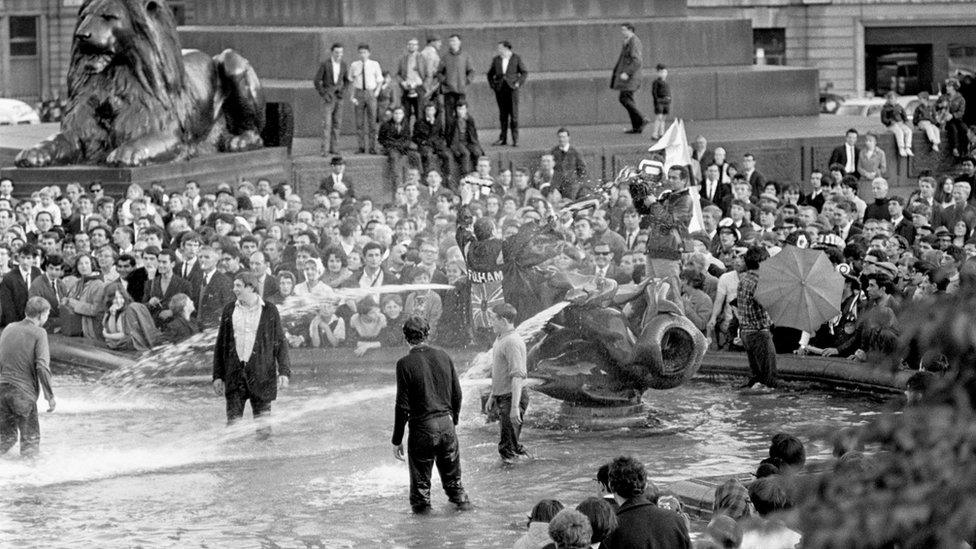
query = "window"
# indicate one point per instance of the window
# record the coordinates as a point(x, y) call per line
point(962, 59)
point(769, 46)
point(23, 36)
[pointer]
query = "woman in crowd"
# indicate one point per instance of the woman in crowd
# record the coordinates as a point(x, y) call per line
point(182, 326)
point(537, 535)
point(313, 283)
point(86, 302)
point(392, 333)
point(871, 162)
point(127, 324)
point(336, 272)
point(366, 325)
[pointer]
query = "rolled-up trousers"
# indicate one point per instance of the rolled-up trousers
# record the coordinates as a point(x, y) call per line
point(18, 414)
point(433, 441)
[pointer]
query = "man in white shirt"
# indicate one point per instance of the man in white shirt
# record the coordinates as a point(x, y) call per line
point(366, 77)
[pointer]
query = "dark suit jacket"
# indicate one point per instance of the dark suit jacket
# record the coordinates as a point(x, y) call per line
point(328, 183)
point(42, 287)
point(839, 156)
point(630, 60)
point(268, 360)
point(722, 197)
point(393, 140)
point(948, 217)
point(72, 225)
point(328, 90)
point(13, 295)
point(430, 134)
point(464, 140)
point(272, 293)
point(644, 524)
point(177, 285)
point(906, 229)
point(402, 72)
point(213, 298)
point(757, 181)
point(137, 283)
point(514, 76)
point(195, 278)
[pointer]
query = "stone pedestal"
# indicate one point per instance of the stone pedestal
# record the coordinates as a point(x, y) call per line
point(209, 171)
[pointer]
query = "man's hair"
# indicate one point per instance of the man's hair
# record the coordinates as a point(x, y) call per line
point(694, 278)
point(248, 278)
point(546, 510)
point(415, 329)
point(506, 44)
point(629, 26)
point(682, 172)
point(570, 529)
point(363, 46)
point(454, 35)
point(506, 311)
point(603, 475)
point(127, 258)
point(335, 45)
point(789, 449)
point(36, 306)
point(769, 495)
point(27, 249)
point(562, 129)
point(372, 245)
point(851, 130)
point(53, 260)
point(603, 519)
point(627, 477)
point(754, 256)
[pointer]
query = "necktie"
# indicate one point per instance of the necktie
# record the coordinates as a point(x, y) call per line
point(57, 294)
point(364, 75)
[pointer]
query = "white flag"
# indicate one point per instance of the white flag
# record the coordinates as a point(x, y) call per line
point(674, 143)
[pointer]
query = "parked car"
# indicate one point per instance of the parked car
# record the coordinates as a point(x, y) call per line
point(13, 112)
point(871, 106)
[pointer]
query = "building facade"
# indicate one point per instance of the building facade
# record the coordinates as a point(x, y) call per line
point(861, 45)
point(35, 46)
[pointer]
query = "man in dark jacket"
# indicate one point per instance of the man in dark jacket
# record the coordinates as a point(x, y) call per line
point(15, 285)
point(216, 289)
point(332, 82)
point(454, 75)
point(429, 399)
point(462, 137)
point(641, 524)
point(668, 217)
point(400, 149)
point(626, 77)
point(506, 75)
point(251, 354)
point(431, 140)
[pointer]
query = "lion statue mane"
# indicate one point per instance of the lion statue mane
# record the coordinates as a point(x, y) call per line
point(135, 97)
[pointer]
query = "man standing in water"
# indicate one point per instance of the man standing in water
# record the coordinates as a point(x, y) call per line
point(429, 399)
point(508, 371)
point(251, 354)
point(24, 370)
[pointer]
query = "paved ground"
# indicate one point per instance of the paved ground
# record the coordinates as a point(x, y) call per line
point(716, 131)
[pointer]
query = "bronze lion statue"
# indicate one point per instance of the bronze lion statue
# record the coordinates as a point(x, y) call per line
point(135, 97)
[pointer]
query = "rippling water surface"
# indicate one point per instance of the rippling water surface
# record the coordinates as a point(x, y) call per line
point(155, 467)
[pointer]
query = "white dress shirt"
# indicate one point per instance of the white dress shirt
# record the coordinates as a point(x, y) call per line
point(246, 321)
point(849, 167)
point(373, 75)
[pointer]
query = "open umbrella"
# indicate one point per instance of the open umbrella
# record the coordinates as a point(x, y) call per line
point(800, 288)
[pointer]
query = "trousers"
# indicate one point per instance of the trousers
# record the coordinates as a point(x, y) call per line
point(931, 132)
point(508, 101)
point(18, 414)
point(451, 100)
point(429, 442)
point(509, 445)
point(366, 120)
point(903, 135)
point(331, 120)
point(761, 354)
point(636, 116)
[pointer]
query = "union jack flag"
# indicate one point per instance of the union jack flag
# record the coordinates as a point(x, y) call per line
point(484, 296)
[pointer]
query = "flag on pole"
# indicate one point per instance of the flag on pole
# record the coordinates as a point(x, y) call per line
point(674, 143)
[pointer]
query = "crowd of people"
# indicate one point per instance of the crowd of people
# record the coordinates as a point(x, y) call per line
point(627, 510)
